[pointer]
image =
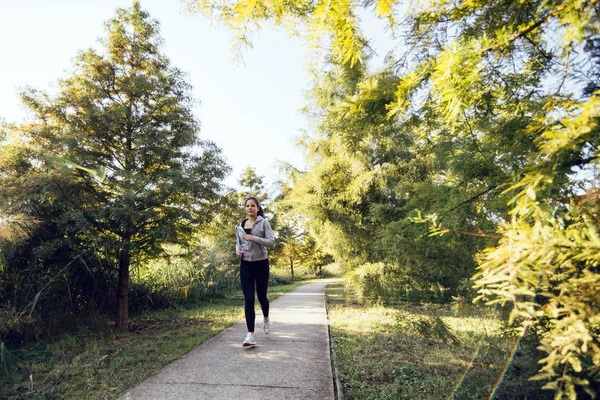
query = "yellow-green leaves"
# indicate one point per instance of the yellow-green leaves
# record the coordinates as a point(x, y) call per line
point(547, 270)
point(345, 31)
point(570, 133)
point(15, 227)
point(406, 88)
point(457, 79)
point(323, 22)
point(384, 7)
point(578, 17)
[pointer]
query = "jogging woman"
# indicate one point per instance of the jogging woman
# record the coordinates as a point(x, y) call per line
point(254, 235)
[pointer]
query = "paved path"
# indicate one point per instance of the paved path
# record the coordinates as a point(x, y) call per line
point(291, 362)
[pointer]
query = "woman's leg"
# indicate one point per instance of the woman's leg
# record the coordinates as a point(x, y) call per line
point(247, 279)
point(262, 282)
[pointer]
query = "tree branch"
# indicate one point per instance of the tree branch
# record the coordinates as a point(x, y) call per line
point(473, 234)
point(524, 32)
point(468, 200)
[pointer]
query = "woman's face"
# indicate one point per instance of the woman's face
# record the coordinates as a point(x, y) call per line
point(251, 208)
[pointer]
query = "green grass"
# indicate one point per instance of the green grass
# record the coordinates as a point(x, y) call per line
point(102, 364)
point(388, 353)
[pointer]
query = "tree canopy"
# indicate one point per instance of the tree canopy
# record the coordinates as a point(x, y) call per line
point(112, 166)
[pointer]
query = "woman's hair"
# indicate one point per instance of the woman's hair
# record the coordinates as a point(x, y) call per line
point(260, 212)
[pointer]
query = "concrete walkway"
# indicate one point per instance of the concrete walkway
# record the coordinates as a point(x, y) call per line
point(291, 362)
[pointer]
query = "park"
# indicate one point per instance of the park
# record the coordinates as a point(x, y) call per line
point(424, 189)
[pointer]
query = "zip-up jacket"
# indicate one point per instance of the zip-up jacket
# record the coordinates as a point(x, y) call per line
point(255, 250)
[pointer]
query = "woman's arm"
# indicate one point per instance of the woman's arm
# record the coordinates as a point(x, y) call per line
point(269, 240)
point(238, 244)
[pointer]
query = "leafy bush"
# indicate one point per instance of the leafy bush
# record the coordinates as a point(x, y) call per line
point(380, 283)
point(366, 283)
point(429, 325)
point(182, 278)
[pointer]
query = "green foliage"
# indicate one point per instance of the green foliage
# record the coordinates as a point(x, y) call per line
point(111, 166)
point(333, 20)
point(366, 284)
point(369, 174)
point(296, 247)
point(283, 276)
point(182, 278)
point(548, 270)
point(429, 325)
point(488, 96)
point(547, 262)
point(216, 237)
point(379, 283)
point(252, 185)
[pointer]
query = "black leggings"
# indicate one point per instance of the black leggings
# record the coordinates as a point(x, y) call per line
point(251, 272)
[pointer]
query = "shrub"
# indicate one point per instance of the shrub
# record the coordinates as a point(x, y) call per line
point(379, 283)
point(429, 325)
point(366, 284)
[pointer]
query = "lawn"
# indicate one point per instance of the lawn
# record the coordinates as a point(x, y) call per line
point(101, 363)
point(399, 353)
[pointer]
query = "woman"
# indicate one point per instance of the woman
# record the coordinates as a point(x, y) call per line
point(254, 235)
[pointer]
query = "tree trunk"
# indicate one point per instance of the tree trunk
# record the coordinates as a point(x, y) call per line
point(122, 319)
point(292, 268)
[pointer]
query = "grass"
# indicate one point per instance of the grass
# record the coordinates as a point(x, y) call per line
point(102, 363)
point(394, 353)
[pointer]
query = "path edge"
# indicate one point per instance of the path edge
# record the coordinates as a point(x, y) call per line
point(338, 389)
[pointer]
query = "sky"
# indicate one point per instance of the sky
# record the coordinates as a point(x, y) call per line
point(251, 110)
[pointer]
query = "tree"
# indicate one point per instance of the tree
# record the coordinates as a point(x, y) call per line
point(369, 174)
point(290, 250)
point(291, 247)
point(218, 234)
point(118, 148)
point(252, 185)
point(295, 246)
point(486, 96)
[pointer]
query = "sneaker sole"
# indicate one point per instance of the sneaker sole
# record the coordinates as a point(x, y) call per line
point(249, 344)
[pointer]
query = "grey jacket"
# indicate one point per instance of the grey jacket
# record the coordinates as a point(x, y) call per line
point(255, 250)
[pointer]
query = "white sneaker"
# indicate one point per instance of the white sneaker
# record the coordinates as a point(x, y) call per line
point(250, 340)
point(267, 325)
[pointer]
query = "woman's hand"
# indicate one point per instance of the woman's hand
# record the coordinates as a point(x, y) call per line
point(239, 254)
point(249, 237)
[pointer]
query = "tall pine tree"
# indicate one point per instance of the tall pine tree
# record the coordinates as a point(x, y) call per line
point(118, 146)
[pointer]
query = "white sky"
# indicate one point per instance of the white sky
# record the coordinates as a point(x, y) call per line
point(251, 110)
